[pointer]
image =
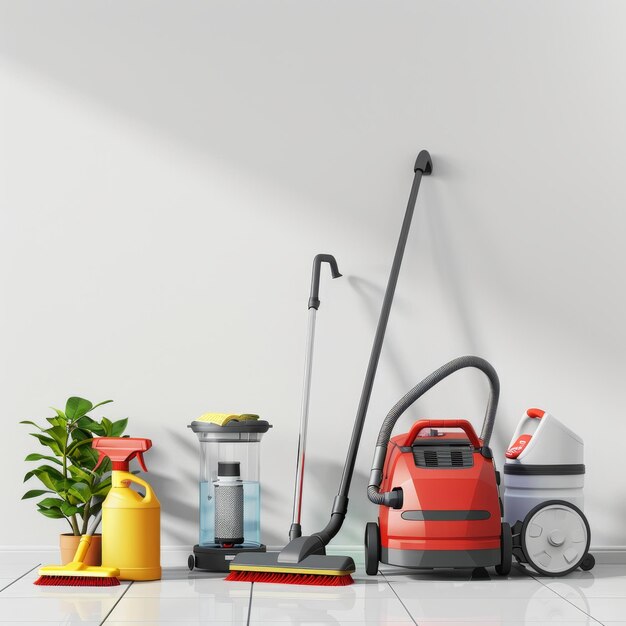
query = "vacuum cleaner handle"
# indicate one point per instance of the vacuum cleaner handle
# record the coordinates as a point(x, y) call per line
point(314, 300)
point(420, 425)
point(423, 167)
point(295, 530)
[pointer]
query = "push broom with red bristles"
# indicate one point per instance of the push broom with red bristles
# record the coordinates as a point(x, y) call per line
point(76, 573)
point(315, 569)
point(282, 578)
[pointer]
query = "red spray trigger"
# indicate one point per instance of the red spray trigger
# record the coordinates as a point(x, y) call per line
point(121, 450)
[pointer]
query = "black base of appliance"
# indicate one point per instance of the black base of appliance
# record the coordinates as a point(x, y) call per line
point(214, 559)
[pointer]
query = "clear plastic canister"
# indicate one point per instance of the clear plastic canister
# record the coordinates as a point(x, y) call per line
point(230, 492)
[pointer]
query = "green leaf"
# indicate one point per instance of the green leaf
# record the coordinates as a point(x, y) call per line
point(69, 509)
point(79, 473)
point(53, 472)
point(62, 486)
point(87, 458)
point(48, 441)
point(80, 491)
point(56, 421)
point(102, 490)
point(107, 424)
point(46, 480)
point(101, 403)
point(49, 476)
point(34, 493)
point(31, 423)
point(60, 414)
point(119, 427)
point(40, 457)
point(91, 426)
point(77, 444)
point(49, 503)
point(77, 407)
point(59, 434)
point(78, 434)
point(53, 513)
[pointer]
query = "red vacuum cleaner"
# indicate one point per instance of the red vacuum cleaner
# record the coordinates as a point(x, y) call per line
point(438, 492)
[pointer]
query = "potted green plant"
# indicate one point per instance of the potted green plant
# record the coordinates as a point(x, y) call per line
point(73, 488)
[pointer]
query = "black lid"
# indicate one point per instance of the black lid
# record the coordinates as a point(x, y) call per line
point(230, 468)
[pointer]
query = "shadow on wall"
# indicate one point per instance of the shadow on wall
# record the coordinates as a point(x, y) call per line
point(320, 488)
point(176, 487)
point(449, 268)
point(186, 71)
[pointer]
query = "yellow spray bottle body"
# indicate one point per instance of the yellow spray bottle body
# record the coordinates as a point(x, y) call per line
point(131, 522)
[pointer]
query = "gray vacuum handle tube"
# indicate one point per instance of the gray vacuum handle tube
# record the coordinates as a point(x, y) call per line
point(314, 303)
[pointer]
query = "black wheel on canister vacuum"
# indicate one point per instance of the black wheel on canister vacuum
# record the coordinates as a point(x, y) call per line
point(506, 551)
point(191, 562)
point(588, 562)
point(372, 548)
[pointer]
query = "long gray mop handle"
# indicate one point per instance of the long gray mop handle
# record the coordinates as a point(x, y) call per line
point(423, 166)
point(314, 303)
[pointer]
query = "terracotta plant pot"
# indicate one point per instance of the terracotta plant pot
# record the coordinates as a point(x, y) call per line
point(69, 544)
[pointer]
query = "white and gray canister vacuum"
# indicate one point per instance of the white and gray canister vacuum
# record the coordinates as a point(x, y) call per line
point(544, 475)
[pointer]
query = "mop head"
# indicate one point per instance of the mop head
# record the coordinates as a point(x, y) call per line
point(221, 419)
point(76, 574)
point(317, 569)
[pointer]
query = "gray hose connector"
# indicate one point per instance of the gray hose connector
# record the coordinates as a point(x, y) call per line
point(394, 498)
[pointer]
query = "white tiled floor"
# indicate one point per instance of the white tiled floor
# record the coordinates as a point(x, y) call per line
point(394, 598)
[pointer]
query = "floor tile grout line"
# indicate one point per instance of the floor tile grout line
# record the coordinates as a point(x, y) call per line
point(250, 604)
point(20, 577)
point(560, 596)
point(397, 596)
point(106, 617)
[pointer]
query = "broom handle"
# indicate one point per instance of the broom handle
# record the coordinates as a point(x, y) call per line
point(85, 540)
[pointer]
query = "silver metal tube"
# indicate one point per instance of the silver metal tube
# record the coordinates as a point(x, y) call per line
point(304, 417)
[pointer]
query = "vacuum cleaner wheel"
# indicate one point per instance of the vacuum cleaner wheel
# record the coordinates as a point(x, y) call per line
point(555, 538)
point(372, 548)
point(506, 551)
point(588, 562)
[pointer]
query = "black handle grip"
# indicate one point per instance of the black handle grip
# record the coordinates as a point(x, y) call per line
point(424, 163)
point(314, 300)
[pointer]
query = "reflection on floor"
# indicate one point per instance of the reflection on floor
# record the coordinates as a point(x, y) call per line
point(394, 597)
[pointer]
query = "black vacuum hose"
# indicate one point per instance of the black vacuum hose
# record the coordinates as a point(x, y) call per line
point(394, 498)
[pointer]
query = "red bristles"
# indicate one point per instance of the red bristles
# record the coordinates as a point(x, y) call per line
point(283, 578)
point(77, 581)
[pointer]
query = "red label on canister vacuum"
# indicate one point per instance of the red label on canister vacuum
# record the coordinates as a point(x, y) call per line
point(518, 447)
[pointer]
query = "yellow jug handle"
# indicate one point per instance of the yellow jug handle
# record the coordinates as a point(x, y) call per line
point(128, 477)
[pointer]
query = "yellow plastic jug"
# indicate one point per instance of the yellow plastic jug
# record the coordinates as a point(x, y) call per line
point(131, 522)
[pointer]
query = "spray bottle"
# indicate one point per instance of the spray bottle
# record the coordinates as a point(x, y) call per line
point(131, 523)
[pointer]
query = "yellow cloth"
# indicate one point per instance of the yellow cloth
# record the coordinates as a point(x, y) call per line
point(221, 419)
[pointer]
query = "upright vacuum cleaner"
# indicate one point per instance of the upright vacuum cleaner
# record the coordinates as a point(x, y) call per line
point(304, 559)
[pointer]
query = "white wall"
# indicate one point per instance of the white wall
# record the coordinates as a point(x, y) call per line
point(169, 169)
